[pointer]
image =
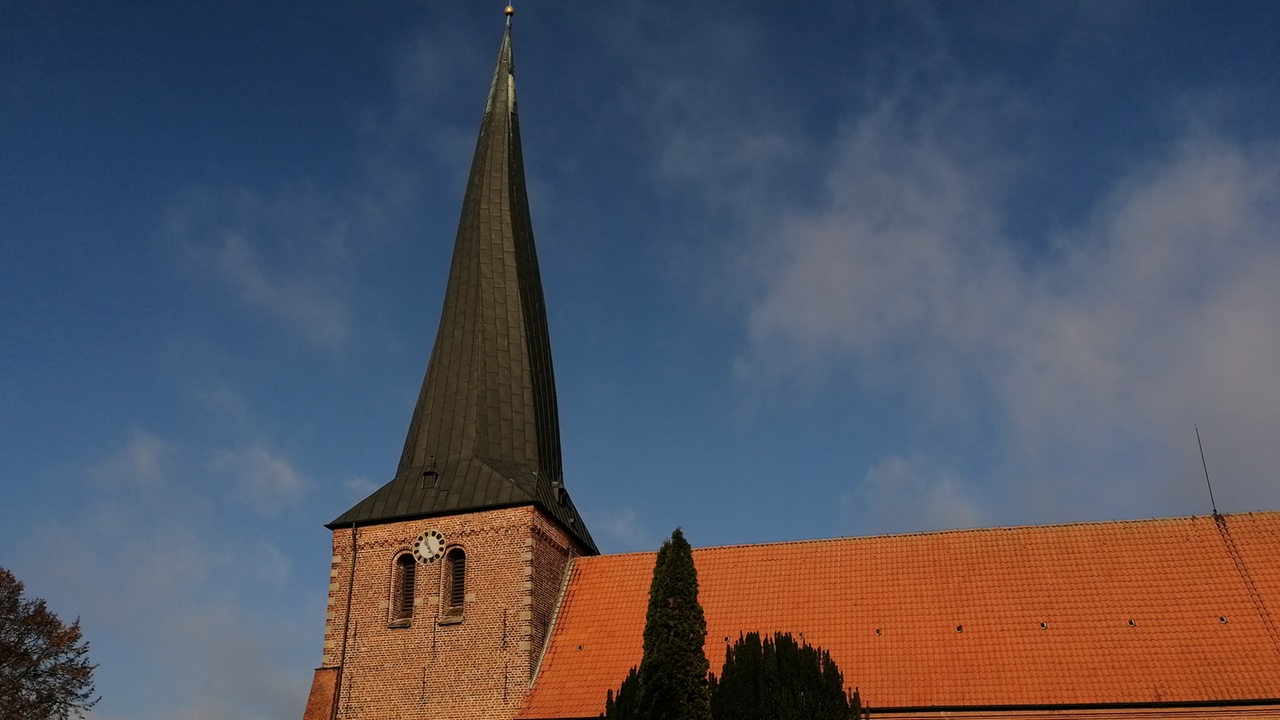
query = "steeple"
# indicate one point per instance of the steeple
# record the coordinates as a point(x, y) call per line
point(485, 431)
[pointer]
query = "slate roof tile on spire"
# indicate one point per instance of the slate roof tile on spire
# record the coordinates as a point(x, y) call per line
point(485, 431)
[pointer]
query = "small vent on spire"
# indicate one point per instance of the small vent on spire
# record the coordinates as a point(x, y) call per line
point(431, 476)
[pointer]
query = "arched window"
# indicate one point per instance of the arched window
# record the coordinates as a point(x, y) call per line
point(455, 577)
point(402, 590)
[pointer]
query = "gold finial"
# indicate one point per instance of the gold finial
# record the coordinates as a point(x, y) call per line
point(510, 11)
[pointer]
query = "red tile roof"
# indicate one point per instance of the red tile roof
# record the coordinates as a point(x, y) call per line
point(1152, 611)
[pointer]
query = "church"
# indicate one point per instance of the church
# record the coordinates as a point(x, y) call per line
point(469, 586)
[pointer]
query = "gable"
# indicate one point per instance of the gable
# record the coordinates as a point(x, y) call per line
point(1178, 610)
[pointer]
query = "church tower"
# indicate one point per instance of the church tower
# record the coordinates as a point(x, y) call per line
point(444, 581)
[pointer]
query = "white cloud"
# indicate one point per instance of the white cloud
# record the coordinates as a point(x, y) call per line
point(359, 488)
point(621, 531)
point(431, 75)
point(143, 461)
point(893, 281)
point(1167, 313)
point(304, 301)
point(901, 493)
point(283, 255)
point(173, 583)
point(1161, 311)
point(265, 482)
point(699, 102)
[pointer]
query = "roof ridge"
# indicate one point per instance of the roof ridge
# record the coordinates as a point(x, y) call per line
point(960, 531)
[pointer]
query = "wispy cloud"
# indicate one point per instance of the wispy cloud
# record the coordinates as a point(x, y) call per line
point(150, 545)
point(143, 461)
point(283, 256)
point(303, 301)
point(621, 530)
point(901, 493)
point(1097, 354)
point(265, 482)
point(892, 257)
point(358, 488)
point(1086, 347)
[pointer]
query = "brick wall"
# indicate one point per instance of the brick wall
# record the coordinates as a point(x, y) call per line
point(444, 667)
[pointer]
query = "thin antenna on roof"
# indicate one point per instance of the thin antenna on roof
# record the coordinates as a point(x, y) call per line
point(1212, 504)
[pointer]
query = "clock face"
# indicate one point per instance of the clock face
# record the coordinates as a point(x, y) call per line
point(429, 546)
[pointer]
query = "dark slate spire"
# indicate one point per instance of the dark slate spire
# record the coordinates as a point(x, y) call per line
point(485, 432)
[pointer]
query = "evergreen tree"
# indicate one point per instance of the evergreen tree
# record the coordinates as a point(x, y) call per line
point(623, 705)
point(671, 683)
point(779, 679)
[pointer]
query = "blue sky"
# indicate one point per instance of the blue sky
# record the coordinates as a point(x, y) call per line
point(850, 269)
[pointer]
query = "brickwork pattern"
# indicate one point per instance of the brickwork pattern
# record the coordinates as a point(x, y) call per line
point(549, 562)
point(442, 666)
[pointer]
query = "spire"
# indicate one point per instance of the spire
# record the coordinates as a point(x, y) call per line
point(485, 431)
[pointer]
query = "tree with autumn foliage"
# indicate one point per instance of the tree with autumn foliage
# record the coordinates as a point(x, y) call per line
point(45, 673)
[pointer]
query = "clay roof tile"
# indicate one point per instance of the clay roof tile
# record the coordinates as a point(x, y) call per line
point(1094, 613)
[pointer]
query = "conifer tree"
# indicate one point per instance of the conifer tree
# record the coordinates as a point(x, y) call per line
point(623, 705)
point(671, 683)
point(779, 679)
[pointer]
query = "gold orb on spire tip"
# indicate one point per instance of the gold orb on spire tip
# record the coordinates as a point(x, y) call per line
point(510, 11)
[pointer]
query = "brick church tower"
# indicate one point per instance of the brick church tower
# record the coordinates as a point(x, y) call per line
point(444, 581)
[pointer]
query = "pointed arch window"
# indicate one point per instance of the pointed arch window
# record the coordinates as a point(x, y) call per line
point(402, 580)
point(455, 578)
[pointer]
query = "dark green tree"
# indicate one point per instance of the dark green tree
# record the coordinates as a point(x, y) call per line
point(671, 683)
point(45, 673)
point(623, 705)
point(779, 679)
